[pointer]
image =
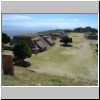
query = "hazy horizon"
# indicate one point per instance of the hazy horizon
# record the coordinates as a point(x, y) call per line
point(13, 24)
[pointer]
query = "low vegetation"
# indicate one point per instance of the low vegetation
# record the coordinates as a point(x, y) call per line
point(58, 66)
point(53, 38)
point(5, 38)
point(86, 29)
point(21, 50)
point(24, 77)
point(66, 40)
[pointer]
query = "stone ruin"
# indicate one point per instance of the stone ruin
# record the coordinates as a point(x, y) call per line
point(91, 35)
point(60, 34)
point(7, 64)
point(47, 40)
point(37, 44)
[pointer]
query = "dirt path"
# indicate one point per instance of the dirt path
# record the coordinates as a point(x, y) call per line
point(75, 61)
point(84, 46)
point(88, 53)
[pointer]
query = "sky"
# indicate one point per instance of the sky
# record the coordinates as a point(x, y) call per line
point(38, 22)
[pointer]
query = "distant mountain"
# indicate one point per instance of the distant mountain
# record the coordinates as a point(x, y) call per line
point(86, 29)
point(15, 30)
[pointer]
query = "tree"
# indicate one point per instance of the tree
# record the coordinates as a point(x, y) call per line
point(21, 50)
point(53, 37)
point(67, 30)
point(66, 40)
point(5, 38)
point(79, 29)
point(87, 29)
point(94, 30)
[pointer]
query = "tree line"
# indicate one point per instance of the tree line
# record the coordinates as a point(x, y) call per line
point(21, 50)
point(86, 29)
point(78, 29)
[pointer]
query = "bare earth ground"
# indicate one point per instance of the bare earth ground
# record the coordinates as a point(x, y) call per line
point(75, 62)
point(78, 62)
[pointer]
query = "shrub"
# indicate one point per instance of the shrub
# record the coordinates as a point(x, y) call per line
point(21, 50)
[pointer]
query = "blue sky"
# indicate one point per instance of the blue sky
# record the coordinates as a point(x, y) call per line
point(28, 23)
point(62, 21)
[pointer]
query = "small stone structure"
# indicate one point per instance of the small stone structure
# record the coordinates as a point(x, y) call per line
point(7, 47)
point(91, 36)
point(48, 40)
point(40, 44)
point(60, 34)
point(7, 64)
point(37, 44)
point(44, 41)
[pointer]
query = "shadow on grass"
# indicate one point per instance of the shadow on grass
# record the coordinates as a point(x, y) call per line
point(96, 50)
point(24, 64)
point(64, 45)
point(14, 60)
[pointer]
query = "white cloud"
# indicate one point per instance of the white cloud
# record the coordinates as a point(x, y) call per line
point(15, 17)
point(44, 22)
point(52, 24)
point(53, 20)
point(75, 20)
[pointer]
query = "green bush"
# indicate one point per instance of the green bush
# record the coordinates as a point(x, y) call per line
point(5, 38)
point(66, 40)
point(21, 50)
point(53, 37)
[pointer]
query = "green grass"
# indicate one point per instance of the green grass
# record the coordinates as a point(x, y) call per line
point(24, 77)
point(7, 52)
point(29, 34)
point(93, 47)
point(58, 66)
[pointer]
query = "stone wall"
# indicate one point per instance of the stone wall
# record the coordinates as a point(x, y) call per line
point(7, 64)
